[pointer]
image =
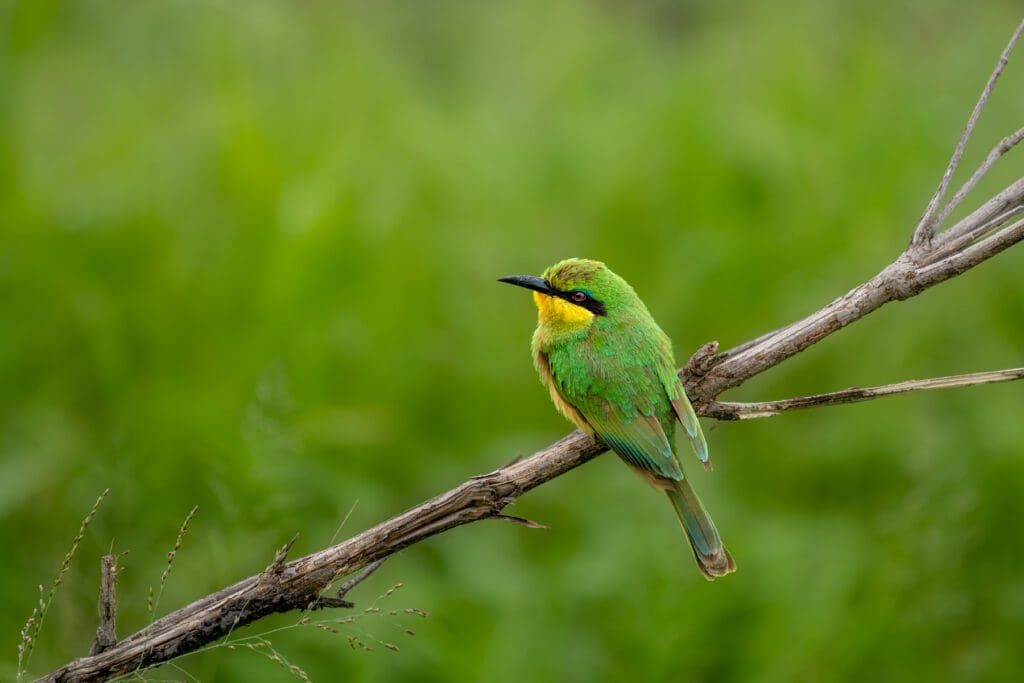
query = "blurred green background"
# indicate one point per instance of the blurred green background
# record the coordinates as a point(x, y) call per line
point(247, 261)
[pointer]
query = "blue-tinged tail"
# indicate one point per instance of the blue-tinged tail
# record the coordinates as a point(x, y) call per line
point(712, 557)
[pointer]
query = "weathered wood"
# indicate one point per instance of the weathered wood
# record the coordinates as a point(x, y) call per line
point(297, 584)
point(724, 410)
point(106, 634)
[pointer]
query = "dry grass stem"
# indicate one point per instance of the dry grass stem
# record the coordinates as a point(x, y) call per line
point(30, 632)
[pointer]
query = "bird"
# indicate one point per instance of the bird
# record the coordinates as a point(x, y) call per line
point(610, 370)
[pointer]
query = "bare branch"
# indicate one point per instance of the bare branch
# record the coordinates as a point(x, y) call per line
point(724, 410)
point(736, 366)
point(521, 521)
point(300, 582)
point(338, 600)
point(926, 226)
point(969, 237)
point(277, 566)
point(973, 255)
point(344, 588)
point(900, 280)
point(1009, 199)
point(106, 634)
point(1004, 146)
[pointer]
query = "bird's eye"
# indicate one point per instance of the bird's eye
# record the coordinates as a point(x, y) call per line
point(579, 297)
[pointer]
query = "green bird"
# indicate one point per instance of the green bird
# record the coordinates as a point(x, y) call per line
point(610, 370)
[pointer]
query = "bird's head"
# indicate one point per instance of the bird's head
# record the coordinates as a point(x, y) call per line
point(572, 294)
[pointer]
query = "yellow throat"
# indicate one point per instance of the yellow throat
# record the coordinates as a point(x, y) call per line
point(560, 313)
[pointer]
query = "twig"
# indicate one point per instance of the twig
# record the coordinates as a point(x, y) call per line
point(724, 410)
point(1004, 146)
point(338, 599)
point(344, 588)
point(954, 244)
point(926, 226)
point(277, 566)
point(106, 634)
point(521, 521)
point(974, 254)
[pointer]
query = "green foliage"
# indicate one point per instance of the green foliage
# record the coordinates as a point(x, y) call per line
point(247, 261)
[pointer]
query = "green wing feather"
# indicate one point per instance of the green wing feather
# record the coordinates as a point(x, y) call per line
point(688, 418)
point(624, 401)
point(641, 441)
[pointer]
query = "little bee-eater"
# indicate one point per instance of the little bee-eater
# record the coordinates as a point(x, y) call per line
point(610, 370)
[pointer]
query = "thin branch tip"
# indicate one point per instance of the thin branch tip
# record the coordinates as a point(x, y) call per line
point(521, 521)
point(360, 577)
point(724, 410)
point(932, 218)
point(330, 602)
point(277, 566)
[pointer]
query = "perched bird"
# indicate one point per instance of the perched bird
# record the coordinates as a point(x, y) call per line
point(610, 370)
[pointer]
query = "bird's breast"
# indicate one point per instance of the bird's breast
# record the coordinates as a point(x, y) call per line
point(543, 364)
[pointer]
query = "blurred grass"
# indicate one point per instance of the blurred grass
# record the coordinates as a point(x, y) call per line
point(247, 260)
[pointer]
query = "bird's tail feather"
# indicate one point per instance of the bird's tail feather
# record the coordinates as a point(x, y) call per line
point(712, 557)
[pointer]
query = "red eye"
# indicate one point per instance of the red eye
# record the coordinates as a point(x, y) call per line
point(579, 297)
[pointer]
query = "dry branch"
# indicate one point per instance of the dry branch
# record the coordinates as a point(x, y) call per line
point(106, 634)
point(932, 218)
point(929, 259)
point(725, 410)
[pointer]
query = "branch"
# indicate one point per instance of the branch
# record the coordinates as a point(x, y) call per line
point(929, 221)
point(974, 254)
point(338, 600)
point(948, 244)
point(722, 410)
point(297, 585)
point(1004, 146)
point(106, 634)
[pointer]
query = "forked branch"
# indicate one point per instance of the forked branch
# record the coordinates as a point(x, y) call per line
point(933, 218)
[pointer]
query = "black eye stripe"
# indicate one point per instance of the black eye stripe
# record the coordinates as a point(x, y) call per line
point(588, 302)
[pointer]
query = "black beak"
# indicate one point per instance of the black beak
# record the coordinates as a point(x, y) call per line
point(537, 284)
